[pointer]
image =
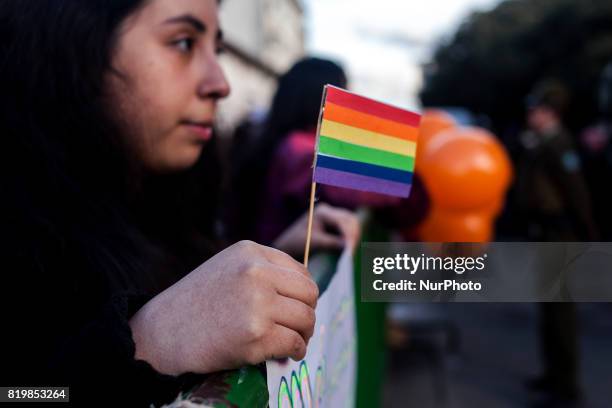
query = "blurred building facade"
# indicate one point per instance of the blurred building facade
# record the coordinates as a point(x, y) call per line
point(263, 39)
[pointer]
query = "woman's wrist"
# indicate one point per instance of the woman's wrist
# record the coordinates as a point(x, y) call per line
point(142, 326)
point(139, 336)
point(155, 331)
point(286, 243)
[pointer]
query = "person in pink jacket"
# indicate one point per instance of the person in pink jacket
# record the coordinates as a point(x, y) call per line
point(281, 153)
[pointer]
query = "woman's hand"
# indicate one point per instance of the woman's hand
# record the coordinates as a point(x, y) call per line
point(247, 304)
point(332, 228)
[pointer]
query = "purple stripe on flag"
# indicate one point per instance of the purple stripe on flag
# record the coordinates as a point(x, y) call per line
point(358, 182)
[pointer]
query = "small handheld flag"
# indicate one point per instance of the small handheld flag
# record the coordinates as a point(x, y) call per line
point(365, 145)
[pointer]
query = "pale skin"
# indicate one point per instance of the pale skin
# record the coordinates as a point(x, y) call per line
point(249, 303)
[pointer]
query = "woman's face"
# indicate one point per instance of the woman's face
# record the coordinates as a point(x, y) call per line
point(165, 95)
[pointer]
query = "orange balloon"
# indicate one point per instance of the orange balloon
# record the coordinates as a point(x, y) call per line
point(465, 169)
point(444, 249)
point(433, 121)
point(495, 208)
point(446, 226)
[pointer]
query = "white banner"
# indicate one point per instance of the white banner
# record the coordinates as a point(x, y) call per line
point(326, 376)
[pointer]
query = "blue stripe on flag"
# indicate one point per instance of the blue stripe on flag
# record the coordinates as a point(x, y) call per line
point(364, 169)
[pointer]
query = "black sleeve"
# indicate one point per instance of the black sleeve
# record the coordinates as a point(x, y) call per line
point(98, 360)
point(53, 335)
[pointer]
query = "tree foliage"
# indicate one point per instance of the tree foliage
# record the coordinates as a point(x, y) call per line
point(495, 57)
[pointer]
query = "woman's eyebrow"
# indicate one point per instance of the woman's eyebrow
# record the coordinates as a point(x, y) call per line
point(197, 24)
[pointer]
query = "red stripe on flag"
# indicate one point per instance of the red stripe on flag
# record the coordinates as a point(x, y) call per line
point(371, 107)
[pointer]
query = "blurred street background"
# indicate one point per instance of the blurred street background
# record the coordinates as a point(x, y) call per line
point(496, 353)
point(529, 78)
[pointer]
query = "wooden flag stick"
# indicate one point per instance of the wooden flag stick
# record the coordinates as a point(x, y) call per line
point(313, 187)
point(310, 214)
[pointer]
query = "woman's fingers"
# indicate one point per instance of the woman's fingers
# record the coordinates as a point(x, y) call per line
point(343, 220)
point(283, 260)
point(295, 285)
point(325, 217)
point(324, 240)
point(284, 342)
point(295, 315)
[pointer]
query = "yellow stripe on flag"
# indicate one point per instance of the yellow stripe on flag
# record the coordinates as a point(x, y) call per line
point(349, 117)
point(366, 138)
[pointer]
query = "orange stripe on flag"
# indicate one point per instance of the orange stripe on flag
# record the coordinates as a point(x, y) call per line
point(370, 106)
point(350, 117)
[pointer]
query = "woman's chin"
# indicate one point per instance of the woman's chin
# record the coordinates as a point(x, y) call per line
point(179, 161)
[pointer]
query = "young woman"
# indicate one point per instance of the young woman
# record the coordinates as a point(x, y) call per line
point(110, 193)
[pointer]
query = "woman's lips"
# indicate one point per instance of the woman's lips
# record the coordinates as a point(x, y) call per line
point(202, 130)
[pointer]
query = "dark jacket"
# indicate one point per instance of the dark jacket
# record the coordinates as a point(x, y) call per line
point(551, 189)
point(66, 303)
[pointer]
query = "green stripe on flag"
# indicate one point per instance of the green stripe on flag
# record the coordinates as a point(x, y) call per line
point(343, 150)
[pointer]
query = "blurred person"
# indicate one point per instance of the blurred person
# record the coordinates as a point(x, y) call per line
point(109, 194)
point(553, 195)
point(552, 191)
point(271, 184)
point(596, 144)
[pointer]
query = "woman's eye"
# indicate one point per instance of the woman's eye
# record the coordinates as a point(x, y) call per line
point(184, 44)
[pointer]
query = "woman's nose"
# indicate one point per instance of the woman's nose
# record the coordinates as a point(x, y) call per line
point(214, 83)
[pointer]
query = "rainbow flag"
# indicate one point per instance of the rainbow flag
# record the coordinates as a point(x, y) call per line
point(365, 145)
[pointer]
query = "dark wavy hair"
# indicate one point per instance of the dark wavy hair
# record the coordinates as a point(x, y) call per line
point(295, 106)
point(71, 183)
